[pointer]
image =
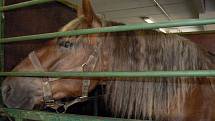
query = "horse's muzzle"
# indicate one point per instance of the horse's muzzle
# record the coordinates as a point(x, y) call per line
point(15, 95)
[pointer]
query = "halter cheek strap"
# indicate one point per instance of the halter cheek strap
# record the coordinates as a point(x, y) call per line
point(89, 65)
point(47, 91)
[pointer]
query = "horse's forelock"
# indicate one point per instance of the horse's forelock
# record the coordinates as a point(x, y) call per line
point(76, 24)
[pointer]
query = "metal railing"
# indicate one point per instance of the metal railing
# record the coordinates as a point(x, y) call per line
point(23, 4)
point(34, 2)
point(21, 114)
point(186, 73)
point(120, 28)
point(1, 49)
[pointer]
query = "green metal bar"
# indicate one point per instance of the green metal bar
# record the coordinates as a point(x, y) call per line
point(1, 45)
point(196, 73)
point(189, 22)
point(197, 33)
point(1, 52)
point(1, 36)
point(24, 4)
point(44, 116)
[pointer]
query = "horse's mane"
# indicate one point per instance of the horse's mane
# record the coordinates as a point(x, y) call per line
point(150, 50)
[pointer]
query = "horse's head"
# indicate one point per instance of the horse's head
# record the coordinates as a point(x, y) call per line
point(63, 54)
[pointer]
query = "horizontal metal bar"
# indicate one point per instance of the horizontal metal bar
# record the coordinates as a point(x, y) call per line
point(196, 73)
point(189, 22)
point(24, 4)
point(45, 116)
point(197, 32)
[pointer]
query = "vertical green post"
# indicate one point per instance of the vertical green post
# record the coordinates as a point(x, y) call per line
point(1, 53)
point(1, 45)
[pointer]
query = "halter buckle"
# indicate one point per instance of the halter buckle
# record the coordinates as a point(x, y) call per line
point(50, 103)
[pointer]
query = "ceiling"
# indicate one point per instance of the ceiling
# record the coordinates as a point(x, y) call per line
point(132, 11)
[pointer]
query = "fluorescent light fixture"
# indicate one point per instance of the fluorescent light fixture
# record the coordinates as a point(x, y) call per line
point(148, 20)
point(162, 30)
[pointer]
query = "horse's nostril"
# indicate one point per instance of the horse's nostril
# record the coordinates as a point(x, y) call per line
point(6, 90)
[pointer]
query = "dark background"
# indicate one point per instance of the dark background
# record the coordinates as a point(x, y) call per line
point(206, 40)
point(48, 17)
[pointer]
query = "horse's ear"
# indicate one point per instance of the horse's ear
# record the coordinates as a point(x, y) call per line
point(89, 14)
point(79, 11)
point(88, 10)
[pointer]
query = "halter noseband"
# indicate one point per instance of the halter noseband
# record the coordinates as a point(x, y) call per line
point(47, 91)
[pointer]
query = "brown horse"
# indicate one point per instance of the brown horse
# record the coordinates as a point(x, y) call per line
point(172, 98)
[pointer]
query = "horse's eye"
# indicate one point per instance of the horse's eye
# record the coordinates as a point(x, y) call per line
point(65, 44)
point(60, 42)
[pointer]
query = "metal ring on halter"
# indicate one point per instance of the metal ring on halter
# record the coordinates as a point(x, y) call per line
point(85, 84)
point(63, 108)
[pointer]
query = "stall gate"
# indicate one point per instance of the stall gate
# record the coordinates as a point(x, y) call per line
point(20, 115)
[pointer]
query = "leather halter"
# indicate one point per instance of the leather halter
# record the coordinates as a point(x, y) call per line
point(47, 90)
point(47, 93)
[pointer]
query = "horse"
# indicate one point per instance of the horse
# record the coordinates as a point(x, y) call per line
point(153, 98)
